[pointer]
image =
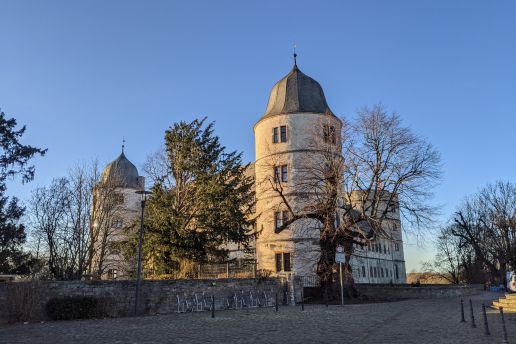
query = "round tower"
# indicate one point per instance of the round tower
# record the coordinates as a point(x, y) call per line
point(296, 121)
point(115, 207)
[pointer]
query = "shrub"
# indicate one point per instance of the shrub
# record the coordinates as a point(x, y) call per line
point(75, 307)
point(22, 302)
point(263, 274)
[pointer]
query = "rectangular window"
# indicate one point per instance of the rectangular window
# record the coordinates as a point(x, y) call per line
point(375, 271)
point(275, 135)
point(283, 262)
point(278, 262)
point(283, 133)
point(112, 274)
point(286, 261)
point(277, 220)
point(363, 271)
point(284, 174)
point(117, 223)
point(381, 271)
point(396, 246)
point(284, 216)
point(276, 174)
point(329, 134)
point(371, 271)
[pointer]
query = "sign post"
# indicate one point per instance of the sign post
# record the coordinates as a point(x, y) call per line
point(339, 258)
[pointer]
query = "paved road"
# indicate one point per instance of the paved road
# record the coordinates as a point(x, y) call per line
point(412, 321)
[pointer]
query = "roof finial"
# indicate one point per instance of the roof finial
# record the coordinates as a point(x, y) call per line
point(295, 55)
point(123, 145)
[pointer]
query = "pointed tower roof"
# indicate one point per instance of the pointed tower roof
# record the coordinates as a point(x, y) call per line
point(121, 173)
point(296, 93)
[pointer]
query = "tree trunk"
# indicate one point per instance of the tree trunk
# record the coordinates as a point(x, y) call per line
point(349, 282)
point(326, 263)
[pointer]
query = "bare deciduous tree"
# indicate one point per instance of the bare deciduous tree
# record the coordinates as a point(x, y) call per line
point(351, 182)
point(486, 224)
point(72, 222)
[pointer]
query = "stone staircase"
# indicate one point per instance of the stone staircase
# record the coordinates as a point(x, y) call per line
point(508, 302)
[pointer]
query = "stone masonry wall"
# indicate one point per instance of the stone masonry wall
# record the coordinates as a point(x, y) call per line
point(156, 296)
point(396, 292)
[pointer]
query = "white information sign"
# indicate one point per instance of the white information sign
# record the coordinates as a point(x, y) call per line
point(339, 255)
point(339, 258)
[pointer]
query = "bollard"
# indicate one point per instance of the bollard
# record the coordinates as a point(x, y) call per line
point(472, 316)
point(486, 325)
point(213, 306)
point(302, 300)
point(276, 302)
point(505, 340)
point(462, 311)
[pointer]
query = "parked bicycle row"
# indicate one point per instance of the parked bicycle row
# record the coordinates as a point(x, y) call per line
point(241, 299)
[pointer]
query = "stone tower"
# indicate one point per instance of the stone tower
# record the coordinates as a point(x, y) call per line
point(118, 207)
point(296, 116)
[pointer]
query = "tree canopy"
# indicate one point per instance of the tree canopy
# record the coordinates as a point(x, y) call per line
point(201, 199)
point(14, 161)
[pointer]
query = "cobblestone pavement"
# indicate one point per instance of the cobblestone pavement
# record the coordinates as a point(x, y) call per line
point(411, 321)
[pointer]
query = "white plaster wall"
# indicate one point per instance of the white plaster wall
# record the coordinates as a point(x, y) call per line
point(304, 134)
point(129, 212)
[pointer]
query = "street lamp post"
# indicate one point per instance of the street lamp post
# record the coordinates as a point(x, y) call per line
point(143, 195)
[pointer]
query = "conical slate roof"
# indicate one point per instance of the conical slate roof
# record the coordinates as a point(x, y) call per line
point(296, 93)
point(121, 173)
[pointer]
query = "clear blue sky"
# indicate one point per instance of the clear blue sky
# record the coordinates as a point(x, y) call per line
point(82, 75)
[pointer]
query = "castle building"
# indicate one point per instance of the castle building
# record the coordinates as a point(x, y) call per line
point(296, 125)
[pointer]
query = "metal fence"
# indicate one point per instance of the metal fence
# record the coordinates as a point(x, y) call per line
point(308, 281)
point(233, 269)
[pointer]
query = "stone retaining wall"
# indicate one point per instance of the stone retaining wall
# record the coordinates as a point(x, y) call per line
point(397, 292)
point(383, 292)
point(156, 296)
